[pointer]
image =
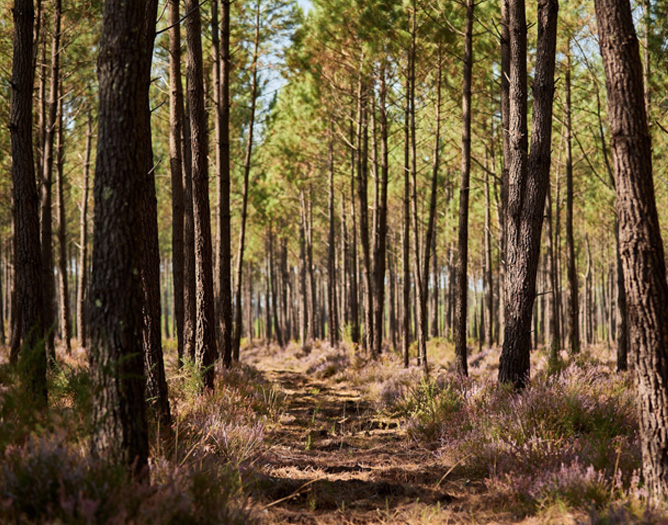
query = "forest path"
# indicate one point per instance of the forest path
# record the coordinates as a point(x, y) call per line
point(335, 459)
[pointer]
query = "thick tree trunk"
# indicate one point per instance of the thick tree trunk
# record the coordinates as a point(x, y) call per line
point(527, 187)
point(461, 282)
point(117, 364)
point(641, 246)
point(28, 260)
point(205, 340)
point(176, 169)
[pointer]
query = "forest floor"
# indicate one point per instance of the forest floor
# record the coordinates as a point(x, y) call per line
point(336, 459)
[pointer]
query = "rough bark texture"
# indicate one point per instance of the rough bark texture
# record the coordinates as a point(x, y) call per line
point(461, 281)
point(28, 263)
point(641, 247)
point(176, 167)
point(205, 341)
point(156, 383)
point(117, 364)
point(527, 184)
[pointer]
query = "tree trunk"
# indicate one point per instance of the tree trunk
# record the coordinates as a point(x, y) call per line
point(82, 288)
point(462, 283)
point(65, 322)
point(46, 218)
point(117, 364)
point(332, 314)
point(244, 201)
point(362, 179)
point(205, 340)
point(573, 304)
point(176, 170)
point(527, 187)
point(223, 243)
point(380, 242)
point(156, 383)
point(641, 246)
point(189, 286)
point(28, 260)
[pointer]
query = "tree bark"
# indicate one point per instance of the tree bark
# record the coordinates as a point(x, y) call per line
point(46, 219)
point(65, 322)
point(380, 234)
point(117, 364)
point(156, 383)
point(332, 313)
point(462, 283)
point(641, 247)
point(82, 288)
point(24, 193)
point(176, 170)
point(223, 243)
point(573, 303)
point(205, 340)
point(527, 184)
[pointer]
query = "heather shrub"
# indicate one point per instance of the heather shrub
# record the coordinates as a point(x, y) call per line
point(328, 363)
point(47, 480)
point(569, 438)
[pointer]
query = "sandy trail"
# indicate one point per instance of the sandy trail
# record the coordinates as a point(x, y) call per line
point(335, 460)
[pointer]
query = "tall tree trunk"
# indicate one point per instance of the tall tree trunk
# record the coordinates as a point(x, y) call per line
point(205, 340)
point(176, 169)
point(189, 285)
point(244, 202)
point(527, 187)
point(156, 383)
point(223, 242)
point(553, 283)
point(362, 179)
point(28, 262)
point(117, 363)
point(46, 218)
point(406, 291)
point(354, 299)
point(332, 314)
point(573, 304)
point(506, 156)
point(82, 288)
point(65, 323)
point(277, 324)
point(487, 271)
point(641, 246)
point(462, 283)
point(380, 234)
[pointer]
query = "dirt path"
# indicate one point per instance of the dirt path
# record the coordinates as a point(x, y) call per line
point(334, 460)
